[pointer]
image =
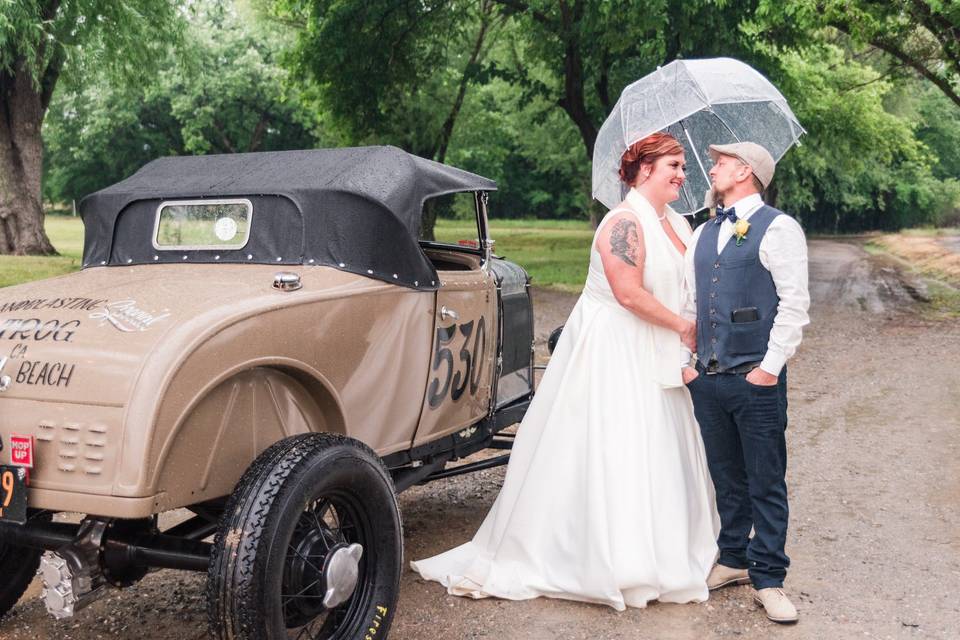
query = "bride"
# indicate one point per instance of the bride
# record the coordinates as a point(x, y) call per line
point(607, 498)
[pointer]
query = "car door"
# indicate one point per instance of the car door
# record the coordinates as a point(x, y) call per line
point(462, 360)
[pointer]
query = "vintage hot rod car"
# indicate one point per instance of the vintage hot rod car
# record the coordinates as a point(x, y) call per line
point(263, 340)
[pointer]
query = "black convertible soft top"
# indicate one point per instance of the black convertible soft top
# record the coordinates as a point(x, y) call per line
point(357, 209)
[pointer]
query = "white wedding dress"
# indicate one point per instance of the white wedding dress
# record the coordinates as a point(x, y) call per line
point(607, 497)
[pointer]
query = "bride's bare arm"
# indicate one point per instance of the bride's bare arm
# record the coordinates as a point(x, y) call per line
point(622, 251)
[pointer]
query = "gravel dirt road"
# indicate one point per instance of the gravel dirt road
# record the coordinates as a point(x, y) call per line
point(874, 479)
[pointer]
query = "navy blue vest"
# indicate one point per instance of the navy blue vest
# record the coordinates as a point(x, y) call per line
point(734, 279)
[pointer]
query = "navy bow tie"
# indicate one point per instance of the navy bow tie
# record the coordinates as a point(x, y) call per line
point(730, 214)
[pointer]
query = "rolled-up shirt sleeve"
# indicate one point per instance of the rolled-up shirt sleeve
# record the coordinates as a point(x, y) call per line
point(688, 295)
point(783, 252)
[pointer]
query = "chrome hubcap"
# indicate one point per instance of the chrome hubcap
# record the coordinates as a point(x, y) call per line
point(341, 572)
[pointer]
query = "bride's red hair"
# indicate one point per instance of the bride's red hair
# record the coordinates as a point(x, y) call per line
point(646, 150)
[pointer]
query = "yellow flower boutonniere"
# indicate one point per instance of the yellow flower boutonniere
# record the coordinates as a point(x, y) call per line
point(740, 229)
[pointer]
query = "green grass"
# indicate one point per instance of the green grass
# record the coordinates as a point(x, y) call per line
point(66, 234)
point(944, 299)
point(937, 232)
point(555, 252)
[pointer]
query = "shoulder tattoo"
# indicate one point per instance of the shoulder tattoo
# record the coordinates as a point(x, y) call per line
point(624, 241)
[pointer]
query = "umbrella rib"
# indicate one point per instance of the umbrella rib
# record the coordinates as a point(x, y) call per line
point(693, 148)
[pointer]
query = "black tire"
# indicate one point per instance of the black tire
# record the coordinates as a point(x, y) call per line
point(18, 566)
point(302, 498)
point(554, 339)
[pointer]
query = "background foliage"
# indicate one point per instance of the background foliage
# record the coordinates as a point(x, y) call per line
point(512, 90)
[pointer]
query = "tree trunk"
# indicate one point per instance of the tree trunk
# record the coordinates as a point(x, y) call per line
point(428, 220)
point(22, 107)
point(574, 101)
point(446, 131)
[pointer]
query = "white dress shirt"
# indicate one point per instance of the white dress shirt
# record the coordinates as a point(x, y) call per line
point(783, 252)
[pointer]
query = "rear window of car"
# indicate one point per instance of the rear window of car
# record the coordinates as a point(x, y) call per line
point(202, 224)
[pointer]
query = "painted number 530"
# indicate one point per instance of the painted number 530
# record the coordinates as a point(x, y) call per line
point(449, 378)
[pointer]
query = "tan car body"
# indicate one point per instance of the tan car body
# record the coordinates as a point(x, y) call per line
point(150, 387)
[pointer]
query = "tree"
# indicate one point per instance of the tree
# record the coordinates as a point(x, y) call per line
point(594, 48)
point(40, 40)
point(101, 132)
point(591, 49)
point(922, 35)
point(861, 167)
point(221, 92)
point(391, 71)
point(228, 92)
point(529, 147)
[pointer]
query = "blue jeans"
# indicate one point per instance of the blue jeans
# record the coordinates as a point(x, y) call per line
point(743, 429)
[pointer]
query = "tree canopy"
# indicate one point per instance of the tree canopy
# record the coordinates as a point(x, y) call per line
point(517, 89)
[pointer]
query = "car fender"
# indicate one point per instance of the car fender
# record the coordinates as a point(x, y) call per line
point(253, 405)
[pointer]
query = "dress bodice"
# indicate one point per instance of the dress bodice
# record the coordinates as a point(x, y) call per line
point(663, 269)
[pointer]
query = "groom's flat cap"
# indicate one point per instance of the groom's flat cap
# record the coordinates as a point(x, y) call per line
point(751, 153)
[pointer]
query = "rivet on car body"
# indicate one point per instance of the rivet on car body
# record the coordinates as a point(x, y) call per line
point(287, 281)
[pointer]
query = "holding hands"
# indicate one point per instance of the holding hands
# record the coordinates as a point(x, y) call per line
point(688, 333)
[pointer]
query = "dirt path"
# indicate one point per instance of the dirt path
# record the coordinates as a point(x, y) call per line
point(874, 478)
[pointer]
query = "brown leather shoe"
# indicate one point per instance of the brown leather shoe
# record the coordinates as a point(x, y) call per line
point(776, 604)
point(723, 576)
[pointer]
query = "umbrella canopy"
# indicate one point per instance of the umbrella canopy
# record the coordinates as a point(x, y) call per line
point(699, 102)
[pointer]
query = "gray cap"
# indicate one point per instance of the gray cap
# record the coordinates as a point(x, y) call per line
point(752, 154)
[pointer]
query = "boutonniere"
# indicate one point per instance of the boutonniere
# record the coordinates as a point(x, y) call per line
point(740, 229)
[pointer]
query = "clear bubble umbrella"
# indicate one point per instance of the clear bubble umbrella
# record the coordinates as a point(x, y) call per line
point(699, 102)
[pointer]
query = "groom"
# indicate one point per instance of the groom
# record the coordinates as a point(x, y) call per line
point(746, 271)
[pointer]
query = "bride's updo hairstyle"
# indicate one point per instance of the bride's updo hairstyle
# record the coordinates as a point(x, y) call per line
point(646, 150)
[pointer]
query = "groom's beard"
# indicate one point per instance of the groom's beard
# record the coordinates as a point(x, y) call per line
point(712, 198)
point(716, 195)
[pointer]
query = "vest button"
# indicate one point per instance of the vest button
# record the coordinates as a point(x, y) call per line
point(712, 311)
point(716, 265)
point(713, 325)
point(713, 294)
point(716, 279)
point(713, 340)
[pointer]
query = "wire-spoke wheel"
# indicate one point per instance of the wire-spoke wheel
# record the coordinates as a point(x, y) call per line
point(309, 547)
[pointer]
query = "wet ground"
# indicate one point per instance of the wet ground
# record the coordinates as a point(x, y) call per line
point(951, 242)
point(874, 479)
